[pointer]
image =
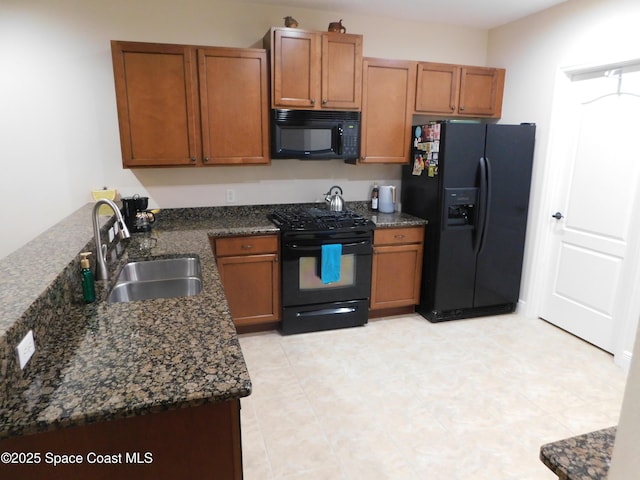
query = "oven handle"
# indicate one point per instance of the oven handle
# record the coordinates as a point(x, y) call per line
point(326, 311)
point(307, 248)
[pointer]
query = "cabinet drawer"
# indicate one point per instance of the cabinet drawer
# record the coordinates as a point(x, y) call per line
point(397, 236)
point(246, 245)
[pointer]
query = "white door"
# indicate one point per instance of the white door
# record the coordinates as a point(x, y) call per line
point(595, 240)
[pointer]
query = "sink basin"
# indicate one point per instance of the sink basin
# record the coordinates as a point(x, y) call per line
point(163, 278)
point(145, 290)
point(160, 269)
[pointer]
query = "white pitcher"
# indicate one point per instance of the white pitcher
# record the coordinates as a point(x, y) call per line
point(387, 199)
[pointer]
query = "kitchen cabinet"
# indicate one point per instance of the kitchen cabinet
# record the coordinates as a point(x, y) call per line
point(250, 273)
point(186, 443)
point(397, 267)
point(458, 90)
point(315, 70)
point(182, 105)
point(387, 109)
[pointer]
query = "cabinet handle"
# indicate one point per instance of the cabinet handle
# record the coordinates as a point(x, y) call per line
point(462, 109)
point(206, 159)
point(324, 102)
point(313, 101)
point(453, 107)
point(193, 159)
point(247, 247)
point(399, 237)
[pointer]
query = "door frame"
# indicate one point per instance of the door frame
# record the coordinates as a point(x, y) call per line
point(625, 315)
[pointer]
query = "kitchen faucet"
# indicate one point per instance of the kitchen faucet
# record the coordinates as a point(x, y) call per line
point(101, 250)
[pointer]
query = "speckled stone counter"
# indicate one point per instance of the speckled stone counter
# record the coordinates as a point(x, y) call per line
point(585, 457)
point(386, 220)
point(104, 361)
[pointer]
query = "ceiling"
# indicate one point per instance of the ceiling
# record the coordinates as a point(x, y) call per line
point(484, 14)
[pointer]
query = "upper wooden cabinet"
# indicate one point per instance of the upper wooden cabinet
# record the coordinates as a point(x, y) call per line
point(456, 90)
point(315, 70)
point(387, 109)
point(187, 105)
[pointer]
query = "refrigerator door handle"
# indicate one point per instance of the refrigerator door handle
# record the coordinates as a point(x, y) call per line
point(484, 202)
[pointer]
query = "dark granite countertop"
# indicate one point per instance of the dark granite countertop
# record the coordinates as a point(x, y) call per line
point(104, 361)
point(584, 457)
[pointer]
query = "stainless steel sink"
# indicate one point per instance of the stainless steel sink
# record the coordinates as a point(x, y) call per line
point(162, 278)
point(145, 290)
point(160, 269)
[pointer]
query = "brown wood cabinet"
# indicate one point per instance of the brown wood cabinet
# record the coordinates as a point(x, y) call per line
point(315, 70)
point(458, 90)
point(186, 105)
point(185, 443)
point(250, 273)
point(387, 109)
point(397, 267)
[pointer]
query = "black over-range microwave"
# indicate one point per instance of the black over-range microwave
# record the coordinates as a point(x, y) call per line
point(315, 134)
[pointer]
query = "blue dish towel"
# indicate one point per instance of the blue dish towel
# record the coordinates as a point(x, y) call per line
point(331, 256)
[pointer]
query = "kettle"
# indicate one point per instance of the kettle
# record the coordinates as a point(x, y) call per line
point(335, 202)
point(387, 199)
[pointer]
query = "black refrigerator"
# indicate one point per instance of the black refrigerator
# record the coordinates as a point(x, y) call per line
point(471, 181)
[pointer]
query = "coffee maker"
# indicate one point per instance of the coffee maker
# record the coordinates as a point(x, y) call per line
point(136, 216)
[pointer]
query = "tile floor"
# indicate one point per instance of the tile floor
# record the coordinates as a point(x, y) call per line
point(402, 398)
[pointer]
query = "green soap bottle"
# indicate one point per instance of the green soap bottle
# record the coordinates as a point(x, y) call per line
point(88, 287)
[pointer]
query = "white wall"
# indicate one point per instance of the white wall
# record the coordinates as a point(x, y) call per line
point(58, 117)
point(625, 461)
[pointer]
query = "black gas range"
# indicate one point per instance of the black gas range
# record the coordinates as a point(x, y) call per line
point(309, 301)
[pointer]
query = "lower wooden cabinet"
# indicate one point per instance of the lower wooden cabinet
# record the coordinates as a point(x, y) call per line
point(397, 267)
point(185, 443)
point(250, 273)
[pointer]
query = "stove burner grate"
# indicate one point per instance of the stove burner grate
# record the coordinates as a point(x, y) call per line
point(318, 219)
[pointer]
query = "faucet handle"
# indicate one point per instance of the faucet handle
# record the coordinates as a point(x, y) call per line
point(123, 231)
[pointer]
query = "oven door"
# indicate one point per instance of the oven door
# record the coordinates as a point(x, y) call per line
point(301, 282)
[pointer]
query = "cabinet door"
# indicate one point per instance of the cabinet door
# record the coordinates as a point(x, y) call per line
point(157, 103)
point(295, 68)
point(396, 276)
point(341, 70)
point(437, 88)
point(388, 91)
point(234, 106)
point(252, 285)
point(481, 91)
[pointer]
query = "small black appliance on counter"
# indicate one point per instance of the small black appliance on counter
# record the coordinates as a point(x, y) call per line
point(136, 216)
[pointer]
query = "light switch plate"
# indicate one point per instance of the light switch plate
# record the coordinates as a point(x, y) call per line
point(26, 348)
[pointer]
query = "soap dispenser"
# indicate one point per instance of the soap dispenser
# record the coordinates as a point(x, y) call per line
point(88, 287)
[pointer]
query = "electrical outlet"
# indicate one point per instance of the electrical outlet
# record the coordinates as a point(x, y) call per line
point(26, 349)
point(231, 195)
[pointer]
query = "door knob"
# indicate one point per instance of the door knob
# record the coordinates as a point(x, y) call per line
point(557, 215)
